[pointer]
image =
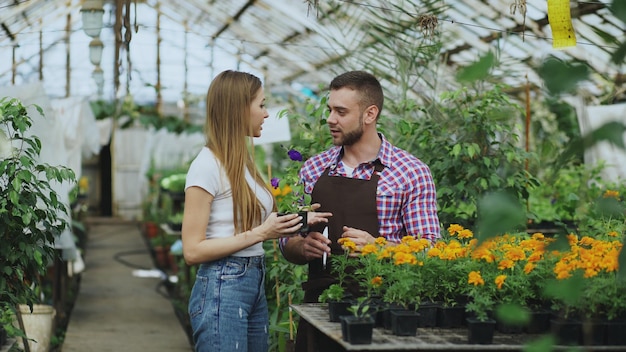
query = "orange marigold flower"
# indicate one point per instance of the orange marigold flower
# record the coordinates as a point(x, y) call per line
point(529, 267)
point(515, 254)
point(613, 234)
point(500, 281)
point(454, 229)
point(474, 278)
point(611, 194)
point(537, 236)
point(465, 233)
point(506, 264)
point(377, 281)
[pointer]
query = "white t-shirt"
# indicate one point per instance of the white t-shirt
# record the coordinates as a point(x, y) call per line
point(207, 173)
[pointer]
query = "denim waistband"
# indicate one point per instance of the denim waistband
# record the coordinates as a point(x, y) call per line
point(258, 260)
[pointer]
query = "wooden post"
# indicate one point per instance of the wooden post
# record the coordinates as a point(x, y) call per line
point(68, 70)
point(159, 97)
point(40, 49)
point(186, 84)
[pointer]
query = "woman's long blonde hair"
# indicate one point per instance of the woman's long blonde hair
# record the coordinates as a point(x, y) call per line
point(229, 136)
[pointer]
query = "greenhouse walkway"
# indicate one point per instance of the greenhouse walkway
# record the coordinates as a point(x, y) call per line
point(121, 305)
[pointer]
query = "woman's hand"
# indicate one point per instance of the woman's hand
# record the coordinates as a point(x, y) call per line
point(279, 226)
point(314, 217)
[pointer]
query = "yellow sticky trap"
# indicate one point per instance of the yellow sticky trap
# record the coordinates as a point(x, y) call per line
point(561, 23)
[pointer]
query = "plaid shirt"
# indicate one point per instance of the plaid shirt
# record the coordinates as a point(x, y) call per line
point(405, 196)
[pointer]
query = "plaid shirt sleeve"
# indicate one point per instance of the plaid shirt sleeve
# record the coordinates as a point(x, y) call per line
point(406, 199)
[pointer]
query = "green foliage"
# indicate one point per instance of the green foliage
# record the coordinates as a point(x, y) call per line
point(282, 285)
point(560, 76)
point(499, 213)
point(478, 70)
point(30, 210)
point(288, 190)
point(484, 156)
point(361, 308)
point(174, 182)
point(333, 293)
point(129, 113)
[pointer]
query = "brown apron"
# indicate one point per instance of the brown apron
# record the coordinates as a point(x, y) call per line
point(353, 203)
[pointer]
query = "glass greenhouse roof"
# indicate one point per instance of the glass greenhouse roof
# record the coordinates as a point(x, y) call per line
point(293, 44)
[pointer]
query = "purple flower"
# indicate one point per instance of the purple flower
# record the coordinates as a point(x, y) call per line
point(275, 181)
point(294, 155)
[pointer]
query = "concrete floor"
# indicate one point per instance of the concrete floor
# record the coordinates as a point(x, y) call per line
point(116, 310)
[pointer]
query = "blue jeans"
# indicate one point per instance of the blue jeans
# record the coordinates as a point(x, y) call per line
point(228, 308)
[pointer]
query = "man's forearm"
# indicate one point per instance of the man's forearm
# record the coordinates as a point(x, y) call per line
point(292, 250)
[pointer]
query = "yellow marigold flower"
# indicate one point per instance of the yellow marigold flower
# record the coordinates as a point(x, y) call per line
point(377, 281)
point(537, 236)
point(385, 253)
point(586, 241)
point(276, 192)
point(613, 234)
point(474, 278)
point(407, 239)
point(454, 229)
point(381, 241)
point(83, 184)
point(369, 249)
point(500, 281)
point(419, 245)
point(347, 244)
point(611, 194)
point(465, 233)
point(286, 190)
point(434, 252)
point(404, 258)
point(506, 264)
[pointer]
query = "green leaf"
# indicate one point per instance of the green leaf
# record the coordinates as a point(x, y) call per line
point(560, 76)
point(618, 8)
point(513, 314)
point(478, 70)
point(542, 344)
point(568, 290)
point(499, 212)
point(618, 56)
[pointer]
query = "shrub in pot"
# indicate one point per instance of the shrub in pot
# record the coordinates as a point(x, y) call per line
point(30, 209)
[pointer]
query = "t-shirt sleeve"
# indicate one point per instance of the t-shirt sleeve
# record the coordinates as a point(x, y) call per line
point(204, 172)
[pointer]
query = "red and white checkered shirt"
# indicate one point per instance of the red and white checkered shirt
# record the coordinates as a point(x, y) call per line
point(406, 197)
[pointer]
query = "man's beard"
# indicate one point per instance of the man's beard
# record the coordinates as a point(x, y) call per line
point(353, 136)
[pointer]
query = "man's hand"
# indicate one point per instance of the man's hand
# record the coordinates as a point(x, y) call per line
point(314, 246)
point(359, 237)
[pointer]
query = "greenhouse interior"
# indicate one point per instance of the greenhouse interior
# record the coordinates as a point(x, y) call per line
point(499, 175)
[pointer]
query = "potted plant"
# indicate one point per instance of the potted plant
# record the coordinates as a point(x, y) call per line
point(358, 328)
point(480, 327)
point(30, 209)
point(175, 221)
point(335, 295)
point(289, 190)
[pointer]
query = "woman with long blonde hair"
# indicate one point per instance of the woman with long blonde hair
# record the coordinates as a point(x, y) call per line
point(228, 213)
